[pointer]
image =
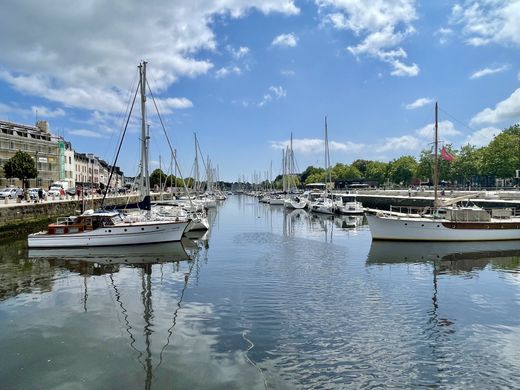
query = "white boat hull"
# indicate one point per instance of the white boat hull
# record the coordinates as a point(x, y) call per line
point(425, 229)
point(292, 204)
point(123, 234)
point(198, 224)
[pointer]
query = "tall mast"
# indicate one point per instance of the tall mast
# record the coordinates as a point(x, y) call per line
point(196, 173)
point(436, 159)
point(144, 179)
point(327, 158)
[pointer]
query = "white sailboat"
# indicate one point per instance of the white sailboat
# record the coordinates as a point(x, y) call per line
point(447, 221)
point(294, 200)
point(324, 204)
point(106, 228)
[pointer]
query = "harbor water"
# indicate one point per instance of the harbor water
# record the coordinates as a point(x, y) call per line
point(268, 298)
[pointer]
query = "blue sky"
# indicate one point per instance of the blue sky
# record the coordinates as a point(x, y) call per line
point(244, 74)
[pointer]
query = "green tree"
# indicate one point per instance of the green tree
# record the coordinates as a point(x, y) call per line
point(21, 166)
point(361, 166)
point(425, 166)
point(317, 177)
point(501, 157)
point(467, 163)
point(377, 171)
point(403, 169)
point(157, 178)
point(309, 171)
point(345, 172)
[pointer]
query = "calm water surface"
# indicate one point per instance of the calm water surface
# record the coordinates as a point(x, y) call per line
point(268, 299)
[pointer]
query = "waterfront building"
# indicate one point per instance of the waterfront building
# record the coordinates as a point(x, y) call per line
point(36, 141)
point(92, 172)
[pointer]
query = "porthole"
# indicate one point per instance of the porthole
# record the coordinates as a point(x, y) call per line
point(142, 228)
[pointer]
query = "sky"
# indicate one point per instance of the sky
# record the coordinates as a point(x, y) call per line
point(245, 74)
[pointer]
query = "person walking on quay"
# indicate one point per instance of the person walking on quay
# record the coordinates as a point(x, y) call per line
point(19, 194)
point(62, 193)
point(40, 195)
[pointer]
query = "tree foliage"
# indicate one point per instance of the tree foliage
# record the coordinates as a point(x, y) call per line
point(403, 169)
point(21, 166)
point(501, 157)
point(377, 171)
point(157, 178)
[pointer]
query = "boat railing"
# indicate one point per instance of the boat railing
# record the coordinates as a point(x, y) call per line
point(464, 214)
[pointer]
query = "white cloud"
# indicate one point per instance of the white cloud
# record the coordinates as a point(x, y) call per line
point(488, 21)
point(287, 72)
point(316, 145)
point(85, 133)
point(237, 54)
point(275, 92)
point(285, 40)
point(444, 35)
point(39, 112)
point(54, 59)
point(482, 137)
point(383, 25)
point(403, 143)
point(487, 71)
point(226, 71)
point(446, 129)
point(421, 102)
point(45, 112)
point(508, 109)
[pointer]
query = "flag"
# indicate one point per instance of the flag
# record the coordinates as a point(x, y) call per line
point(445, 155)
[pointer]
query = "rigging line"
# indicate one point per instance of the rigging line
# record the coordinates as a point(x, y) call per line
point(120, 145)
point(176, 312)
point(456, 120)
point(126, 112)
point(171, 147)
point(251, 345)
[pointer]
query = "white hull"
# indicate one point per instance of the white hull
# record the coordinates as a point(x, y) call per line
point(276, 202)
point(323, 207)
point(198, 223)
point(292, 204)
point(427, 229)
point(123, 234)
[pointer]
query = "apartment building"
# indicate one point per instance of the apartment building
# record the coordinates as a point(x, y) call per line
point(38, 142)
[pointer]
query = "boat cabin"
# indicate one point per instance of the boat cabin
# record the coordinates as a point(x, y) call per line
point(84, 222)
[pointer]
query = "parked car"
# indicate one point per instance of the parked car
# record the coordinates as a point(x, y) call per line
point(54, 191)
point(8, 193)
point(33, 193)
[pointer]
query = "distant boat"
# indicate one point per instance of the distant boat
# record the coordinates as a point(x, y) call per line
point(348, 205)
point(446, 220)
point(106, 228)
point(325, 204)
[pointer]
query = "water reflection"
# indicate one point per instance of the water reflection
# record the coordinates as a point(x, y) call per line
point(448, 257)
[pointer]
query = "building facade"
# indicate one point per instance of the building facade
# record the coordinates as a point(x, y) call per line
point(38, 142)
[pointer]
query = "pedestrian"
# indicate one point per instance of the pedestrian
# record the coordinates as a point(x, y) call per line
point(62, 193)
point(19, 194)
point(40, 195)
